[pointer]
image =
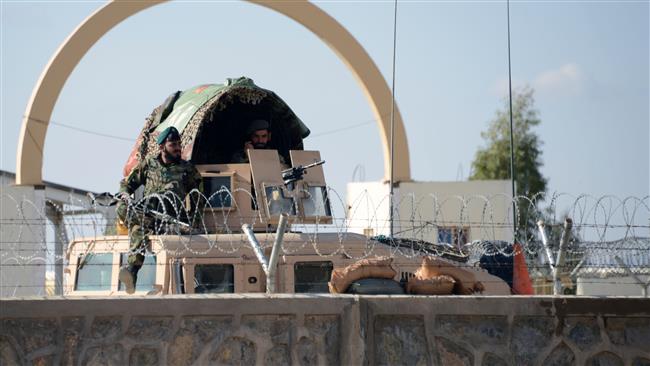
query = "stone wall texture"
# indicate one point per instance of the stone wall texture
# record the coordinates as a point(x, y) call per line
point(325, 330)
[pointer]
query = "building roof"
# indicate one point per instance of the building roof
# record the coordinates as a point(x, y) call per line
point(594, 259)
point(9, 178)
point(615, 258)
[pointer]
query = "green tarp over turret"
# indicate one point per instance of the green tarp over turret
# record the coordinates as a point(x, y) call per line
point(213, 118)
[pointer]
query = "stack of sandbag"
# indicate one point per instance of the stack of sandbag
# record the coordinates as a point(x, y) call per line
point(436, 285)
point(365, 268)
point(438, 277)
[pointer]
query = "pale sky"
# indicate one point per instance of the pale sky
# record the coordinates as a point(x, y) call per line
point(588, 62)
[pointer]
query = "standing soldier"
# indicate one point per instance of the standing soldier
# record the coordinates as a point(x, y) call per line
point(165, 174)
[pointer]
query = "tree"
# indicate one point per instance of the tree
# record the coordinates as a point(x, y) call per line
point(493, 161)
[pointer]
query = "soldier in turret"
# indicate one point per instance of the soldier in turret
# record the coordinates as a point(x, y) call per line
point(259, 137)
point(165, 174)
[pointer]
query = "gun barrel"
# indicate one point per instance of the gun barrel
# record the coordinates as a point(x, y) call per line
point(302, 168)
point(317, 163)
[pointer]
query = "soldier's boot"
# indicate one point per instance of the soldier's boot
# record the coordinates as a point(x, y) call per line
point(129, 276)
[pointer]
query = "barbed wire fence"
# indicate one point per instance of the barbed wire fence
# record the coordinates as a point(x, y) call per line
point(35, 234)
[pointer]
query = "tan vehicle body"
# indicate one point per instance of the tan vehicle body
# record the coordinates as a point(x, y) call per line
point(173, 252)
point(227, 247)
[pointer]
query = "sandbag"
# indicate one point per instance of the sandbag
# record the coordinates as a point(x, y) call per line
point(375, 286)
point(365, 268)
point(437, 285)
point(466, 282)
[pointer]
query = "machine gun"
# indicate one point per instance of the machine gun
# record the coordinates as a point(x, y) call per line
point(140, 208)
point(295, 174)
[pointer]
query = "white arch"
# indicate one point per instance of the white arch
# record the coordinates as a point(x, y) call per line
point(29, 159)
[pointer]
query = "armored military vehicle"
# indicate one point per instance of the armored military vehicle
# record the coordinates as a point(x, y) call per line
point(248, 239)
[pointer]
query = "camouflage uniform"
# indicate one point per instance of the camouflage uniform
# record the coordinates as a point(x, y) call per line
point(157, 178)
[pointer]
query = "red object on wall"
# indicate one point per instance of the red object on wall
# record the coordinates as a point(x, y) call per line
point(521, 283)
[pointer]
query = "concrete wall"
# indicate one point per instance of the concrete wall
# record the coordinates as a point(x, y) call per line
point(443, 203)
point(335, 330)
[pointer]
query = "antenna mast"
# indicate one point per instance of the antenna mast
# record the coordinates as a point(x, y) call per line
point(392, 123)
point(512, 143)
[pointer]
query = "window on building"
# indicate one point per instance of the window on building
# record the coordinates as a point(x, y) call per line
point(146, 274)
point(94, 272)
point(214, 278)
point(456, 236)
point(312, 276)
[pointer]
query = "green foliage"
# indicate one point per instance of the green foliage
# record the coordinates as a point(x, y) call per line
point(493, 160)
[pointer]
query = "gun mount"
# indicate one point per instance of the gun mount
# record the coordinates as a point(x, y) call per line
point(294, 174)
point(260, 191)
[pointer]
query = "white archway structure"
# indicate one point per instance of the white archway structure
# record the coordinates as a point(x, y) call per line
point(29, 164)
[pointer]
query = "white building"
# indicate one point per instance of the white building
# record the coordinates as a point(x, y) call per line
point(449, 212)
point(617, 268)
point(33, 235)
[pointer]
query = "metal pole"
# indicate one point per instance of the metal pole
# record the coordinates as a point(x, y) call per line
point(256, 247)
point(392, 124)
point(54, 212)
point(275, 252)
point(577, 268)
point(268, 266)
point(549, 252)
point(178, 276)
point(542, 233)
point(564, 241)
point(512, 141)
point(559, 262)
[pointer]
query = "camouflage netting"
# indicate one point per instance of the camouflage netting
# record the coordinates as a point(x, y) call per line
point(216, 129)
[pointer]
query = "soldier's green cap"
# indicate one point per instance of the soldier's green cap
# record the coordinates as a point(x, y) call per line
point(256, 125)
point(168, 134)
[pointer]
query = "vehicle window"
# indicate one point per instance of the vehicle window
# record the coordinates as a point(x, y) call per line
point(278, 203)
point(218, 190)
point(312, 276)
point(94, 272)
point(146, 274)
point(214, 279)
point(316, 204)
